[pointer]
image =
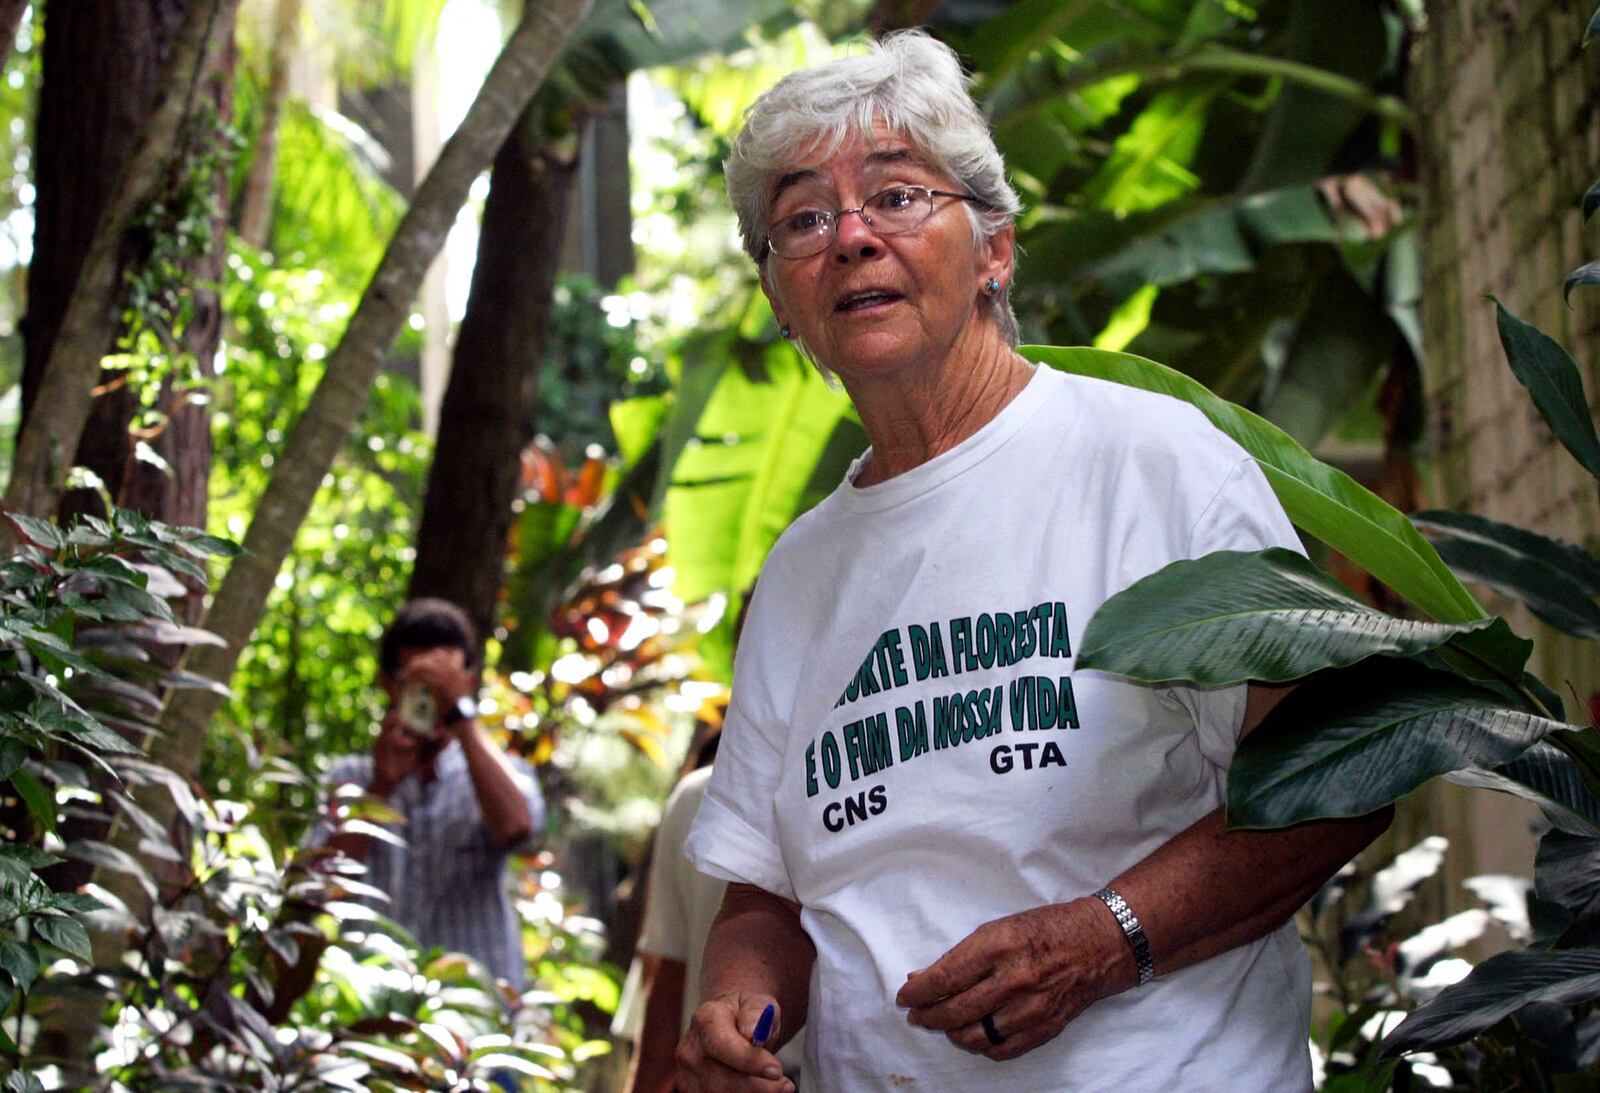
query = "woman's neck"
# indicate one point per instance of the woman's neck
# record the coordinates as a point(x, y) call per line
point(911, 418)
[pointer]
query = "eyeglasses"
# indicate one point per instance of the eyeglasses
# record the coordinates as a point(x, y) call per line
point(894, 211)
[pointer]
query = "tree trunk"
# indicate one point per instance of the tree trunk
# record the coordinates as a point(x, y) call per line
point(58, 401)
point(315, 438)
point(486, 418)
point(86, 132)
point(255, 202)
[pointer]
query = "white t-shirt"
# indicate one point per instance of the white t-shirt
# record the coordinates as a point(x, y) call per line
point(909, 753)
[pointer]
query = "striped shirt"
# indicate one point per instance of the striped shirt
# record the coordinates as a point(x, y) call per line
point(449, 884)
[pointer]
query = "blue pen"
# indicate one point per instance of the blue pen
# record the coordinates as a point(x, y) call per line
point(764, 1026)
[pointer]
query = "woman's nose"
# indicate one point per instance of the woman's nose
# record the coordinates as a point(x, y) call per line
point(854, 236)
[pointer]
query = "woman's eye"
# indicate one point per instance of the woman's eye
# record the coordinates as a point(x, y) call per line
point(805, 220)
point(897, 199)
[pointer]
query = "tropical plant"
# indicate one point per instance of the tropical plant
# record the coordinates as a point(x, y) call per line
point(1378, 958)
point(1386, 703)
point(87, 636)
point(303, 687)
point(1210, 184)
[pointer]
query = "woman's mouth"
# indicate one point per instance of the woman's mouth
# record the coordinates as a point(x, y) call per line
point(864, 301)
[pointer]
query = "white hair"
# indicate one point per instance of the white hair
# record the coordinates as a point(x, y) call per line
point(914, 86)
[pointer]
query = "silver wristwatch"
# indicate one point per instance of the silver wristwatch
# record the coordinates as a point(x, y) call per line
point(1132, 930)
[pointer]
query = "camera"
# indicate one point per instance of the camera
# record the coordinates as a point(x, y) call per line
point(417, 709)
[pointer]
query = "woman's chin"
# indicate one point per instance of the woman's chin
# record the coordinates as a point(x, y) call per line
point(872, 354)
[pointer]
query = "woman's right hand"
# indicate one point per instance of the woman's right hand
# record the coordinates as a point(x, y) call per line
point(716, 1055)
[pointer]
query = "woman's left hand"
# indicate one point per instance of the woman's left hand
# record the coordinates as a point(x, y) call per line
point(1030, 973)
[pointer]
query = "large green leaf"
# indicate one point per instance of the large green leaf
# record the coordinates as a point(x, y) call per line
point(1174, 242)
point(1351, 741)
point(1548, 777)
point(332, 202)
point(744, 477)
point(1322, 501)
point(623, 36)
point(1520, 546)
point(1004, 42)
point(1551, 377)
point(1494, 990)
point(1233, 616)
point(1555, 579)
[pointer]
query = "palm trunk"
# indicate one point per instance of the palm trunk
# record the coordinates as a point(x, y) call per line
point(486, 417)
point(55, 421)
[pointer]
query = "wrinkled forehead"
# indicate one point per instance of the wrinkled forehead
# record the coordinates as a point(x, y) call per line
point(825, 155)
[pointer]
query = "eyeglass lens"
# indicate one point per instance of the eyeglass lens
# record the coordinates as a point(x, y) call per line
point(808, 231)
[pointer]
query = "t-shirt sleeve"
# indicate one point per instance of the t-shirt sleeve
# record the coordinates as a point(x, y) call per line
point(735, 834)
point(1244, 514)
point(734, 837)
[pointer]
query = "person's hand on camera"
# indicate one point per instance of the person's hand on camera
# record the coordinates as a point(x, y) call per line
point(716, 1054)
point(445, 673)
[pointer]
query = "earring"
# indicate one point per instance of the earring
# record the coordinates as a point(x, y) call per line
point(992, 287)
point(785, 331)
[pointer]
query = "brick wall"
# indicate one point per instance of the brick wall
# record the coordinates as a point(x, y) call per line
point(1509, 143)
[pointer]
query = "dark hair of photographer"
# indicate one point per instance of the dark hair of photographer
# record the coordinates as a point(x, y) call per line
point(426, 623)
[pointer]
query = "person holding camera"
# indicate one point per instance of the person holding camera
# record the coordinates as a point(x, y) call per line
point(467, 805)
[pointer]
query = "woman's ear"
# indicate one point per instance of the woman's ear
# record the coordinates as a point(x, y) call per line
point(997, 256)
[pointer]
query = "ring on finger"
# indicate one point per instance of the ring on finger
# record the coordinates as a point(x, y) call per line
point(990, 1031)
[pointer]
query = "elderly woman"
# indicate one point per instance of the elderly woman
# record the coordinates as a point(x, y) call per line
point(956, 862)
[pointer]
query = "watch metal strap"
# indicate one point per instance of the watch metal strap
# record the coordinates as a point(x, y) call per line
point(1132, 930)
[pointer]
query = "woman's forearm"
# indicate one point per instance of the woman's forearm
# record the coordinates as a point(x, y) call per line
point(757, 946)
point(1210, 889)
